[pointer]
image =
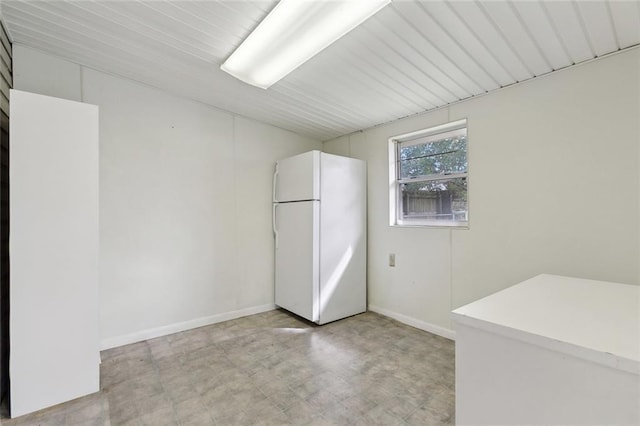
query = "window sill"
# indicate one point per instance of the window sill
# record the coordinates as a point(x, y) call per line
point(449, 225)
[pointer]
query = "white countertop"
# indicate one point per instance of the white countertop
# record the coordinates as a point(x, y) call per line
point(596, 320)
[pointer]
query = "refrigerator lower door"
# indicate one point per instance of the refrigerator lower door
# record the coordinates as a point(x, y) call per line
point(297, 227)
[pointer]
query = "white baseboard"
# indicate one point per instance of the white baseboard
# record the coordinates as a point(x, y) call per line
point(422, 325)
point(112, 342)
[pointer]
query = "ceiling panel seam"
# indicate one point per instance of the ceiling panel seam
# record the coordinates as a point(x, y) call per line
point(65, 30)
point(340, 112)
point(626, 21)
point(505, 39)
point(484, 45)
point(201, 53)
point(583, 27)
point(370, 101)
point(359, 48)
point(527, 30)
point(465, 52)
point(613, 26)
point(308, 119)
point(424, 78)
point(433, 98)
point(237, 34)
point(433, 71)
point(150, 6)
point(233, 6)
point(399, 85)
point(346, 87)
point(390, 90)
point(291, 102)
point(433, 46)
point(383, 88)
point(543, 31)
point(557, 33)
point(455, 41)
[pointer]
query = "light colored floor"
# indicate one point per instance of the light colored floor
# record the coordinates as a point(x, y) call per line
point(272, 369)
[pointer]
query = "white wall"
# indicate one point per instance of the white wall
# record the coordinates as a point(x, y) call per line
point(554, 188)
point(185, 201)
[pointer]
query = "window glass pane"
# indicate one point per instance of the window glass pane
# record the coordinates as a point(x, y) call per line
point(439, 157)
point(435, 200)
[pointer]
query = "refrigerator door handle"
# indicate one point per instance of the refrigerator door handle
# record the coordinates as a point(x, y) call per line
point(275, 229)
point(275, 181)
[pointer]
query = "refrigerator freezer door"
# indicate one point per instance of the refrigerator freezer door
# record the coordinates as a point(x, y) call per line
point(297, 258)
point(297, 178)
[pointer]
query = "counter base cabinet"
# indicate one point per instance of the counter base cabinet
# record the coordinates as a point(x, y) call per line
point(500, 380)
point(54, 322)
point(551, 350)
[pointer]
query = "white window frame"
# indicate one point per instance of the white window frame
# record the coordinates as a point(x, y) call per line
point(414, 138)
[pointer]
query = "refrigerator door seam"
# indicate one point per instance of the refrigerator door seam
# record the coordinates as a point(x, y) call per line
point(275, 181)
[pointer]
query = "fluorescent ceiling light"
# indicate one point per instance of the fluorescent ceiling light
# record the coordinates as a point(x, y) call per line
point(292, 33)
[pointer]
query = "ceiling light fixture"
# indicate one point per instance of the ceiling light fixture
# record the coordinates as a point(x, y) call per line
point(292, 33)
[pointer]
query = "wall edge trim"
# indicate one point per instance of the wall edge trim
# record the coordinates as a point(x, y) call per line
point(150, 333)
point(422, 325)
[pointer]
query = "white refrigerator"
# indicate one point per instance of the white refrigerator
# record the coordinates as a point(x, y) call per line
point(319, 225)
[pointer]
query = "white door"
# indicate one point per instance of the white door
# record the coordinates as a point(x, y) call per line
point(297, 257)
point(54, 237)
point(297, 178)
point(343, 240)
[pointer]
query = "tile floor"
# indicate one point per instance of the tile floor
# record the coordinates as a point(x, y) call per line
point(272, 369)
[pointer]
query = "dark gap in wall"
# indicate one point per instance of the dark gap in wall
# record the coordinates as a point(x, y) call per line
point(6, 83)
point(4, 257)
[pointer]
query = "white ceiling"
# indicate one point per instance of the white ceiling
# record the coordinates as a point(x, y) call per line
point(411, 57)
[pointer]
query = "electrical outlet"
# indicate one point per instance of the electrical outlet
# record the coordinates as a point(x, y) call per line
point(392, 259)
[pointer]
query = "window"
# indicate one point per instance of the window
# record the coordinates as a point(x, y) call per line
point(428, 177)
